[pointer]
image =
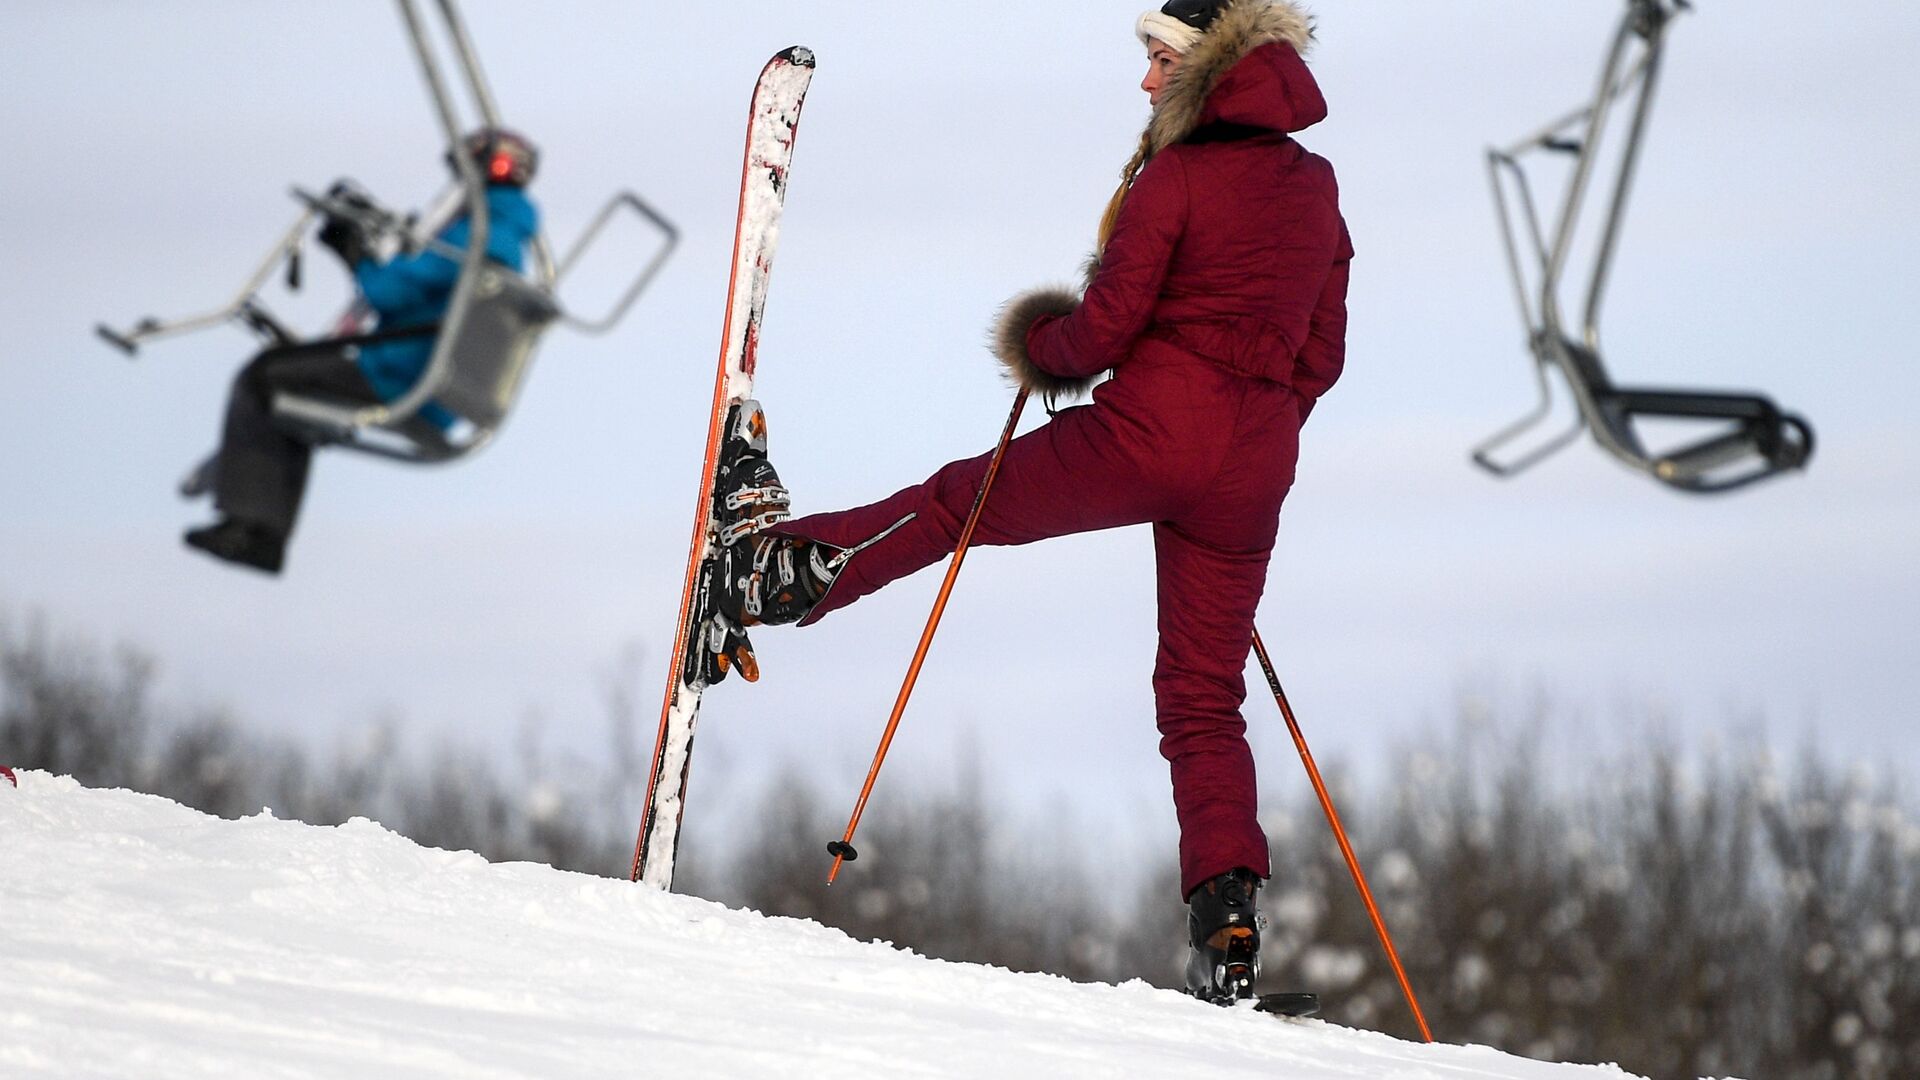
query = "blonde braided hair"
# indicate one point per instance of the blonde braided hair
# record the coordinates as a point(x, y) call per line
point(1127, 176)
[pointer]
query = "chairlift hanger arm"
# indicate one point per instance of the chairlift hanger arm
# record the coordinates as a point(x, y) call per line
point(1756, 440)
point(1537, 255)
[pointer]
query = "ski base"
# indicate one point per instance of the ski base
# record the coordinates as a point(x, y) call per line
point(1288, 1004)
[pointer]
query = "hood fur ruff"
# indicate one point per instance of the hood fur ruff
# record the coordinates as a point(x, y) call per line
point(1244, 26)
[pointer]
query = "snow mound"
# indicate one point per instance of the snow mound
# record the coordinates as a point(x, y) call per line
point(139, 938)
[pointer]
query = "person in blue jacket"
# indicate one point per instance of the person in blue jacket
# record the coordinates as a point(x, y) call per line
point(260, 472)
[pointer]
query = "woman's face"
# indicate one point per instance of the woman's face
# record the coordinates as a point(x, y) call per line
point(1162, 62)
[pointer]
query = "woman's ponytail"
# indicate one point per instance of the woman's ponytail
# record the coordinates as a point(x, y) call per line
point(1127, 177)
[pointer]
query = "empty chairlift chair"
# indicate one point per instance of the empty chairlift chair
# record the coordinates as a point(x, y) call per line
point(1749, 438)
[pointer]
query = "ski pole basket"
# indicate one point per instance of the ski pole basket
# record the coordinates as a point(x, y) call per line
point(1750, 438)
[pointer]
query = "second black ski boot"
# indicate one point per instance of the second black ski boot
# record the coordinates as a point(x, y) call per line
point(242, 542)
point(1223, 938)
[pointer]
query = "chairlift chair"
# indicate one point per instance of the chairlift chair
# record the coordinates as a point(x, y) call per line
point(484, 345)
point(1752, 438)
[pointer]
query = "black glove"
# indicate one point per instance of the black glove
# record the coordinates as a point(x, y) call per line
point(347, 239)
point(347, 236)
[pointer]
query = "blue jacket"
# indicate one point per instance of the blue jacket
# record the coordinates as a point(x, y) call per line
point(414, 290)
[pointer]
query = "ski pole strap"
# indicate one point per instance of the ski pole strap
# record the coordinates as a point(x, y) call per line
point(843, 851)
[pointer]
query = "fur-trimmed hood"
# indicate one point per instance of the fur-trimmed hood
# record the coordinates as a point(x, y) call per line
point(1274, 92)
point(1247, 72)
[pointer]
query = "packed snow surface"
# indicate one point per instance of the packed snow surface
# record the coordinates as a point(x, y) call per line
point(139, 938)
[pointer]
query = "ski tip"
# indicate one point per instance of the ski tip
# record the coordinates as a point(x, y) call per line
point(798, 56)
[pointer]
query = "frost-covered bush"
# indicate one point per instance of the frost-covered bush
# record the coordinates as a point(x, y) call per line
point(70, 708)
point(1687, 915)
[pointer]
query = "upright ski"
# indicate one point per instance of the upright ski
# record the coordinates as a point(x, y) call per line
point(771, 126)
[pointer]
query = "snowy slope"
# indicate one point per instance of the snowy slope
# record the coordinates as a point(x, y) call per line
point(142, 939)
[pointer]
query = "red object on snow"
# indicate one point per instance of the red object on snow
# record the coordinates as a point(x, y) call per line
point(8, 773)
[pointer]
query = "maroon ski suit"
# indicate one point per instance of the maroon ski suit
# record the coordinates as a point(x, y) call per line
point(1219, 304)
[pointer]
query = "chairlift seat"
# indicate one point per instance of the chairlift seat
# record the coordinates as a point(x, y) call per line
point(1763, 437)
point(493, 347)
point(1758, 441)
point(490, 354)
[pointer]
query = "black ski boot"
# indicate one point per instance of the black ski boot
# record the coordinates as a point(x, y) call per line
point(763, 580)
point(243, 542)
point(719, 647)
point(757, 578)
point(1223, 938)
point(773, 580)
point(1223, 935)
point(747, 499)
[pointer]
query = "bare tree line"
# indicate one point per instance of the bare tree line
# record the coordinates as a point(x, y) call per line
point(1686, 914)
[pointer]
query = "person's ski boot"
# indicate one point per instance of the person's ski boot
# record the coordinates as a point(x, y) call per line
point(748, 498)
point(774, 580)
point(259, 546)
point(756, 577)
point(764, 579)
point(719, 647)
point(1223, 938)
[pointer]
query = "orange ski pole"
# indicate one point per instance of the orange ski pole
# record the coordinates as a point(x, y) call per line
point(1340, 834)
point(842, 849)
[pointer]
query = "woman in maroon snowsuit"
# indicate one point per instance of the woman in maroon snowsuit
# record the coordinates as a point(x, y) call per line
point(1218, 301)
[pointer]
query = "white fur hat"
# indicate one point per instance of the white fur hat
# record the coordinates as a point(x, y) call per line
point(1159, 26)
point(1179, 23)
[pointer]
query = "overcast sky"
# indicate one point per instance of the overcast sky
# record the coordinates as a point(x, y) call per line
point(951, 155)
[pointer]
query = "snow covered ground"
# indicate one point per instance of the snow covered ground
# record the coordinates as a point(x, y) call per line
point(142, 939)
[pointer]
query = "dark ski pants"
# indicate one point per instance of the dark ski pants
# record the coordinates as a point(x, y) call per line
point(1209, 472)
point(262, 470)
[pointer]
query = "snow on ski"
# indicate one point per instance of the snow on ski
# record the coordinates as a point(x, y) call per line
point(771, 125)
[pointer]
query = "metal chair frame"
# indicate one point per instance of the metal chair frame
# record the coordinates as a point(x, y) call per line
point(1761, 441)
point(494, 318)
